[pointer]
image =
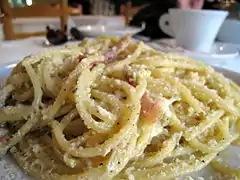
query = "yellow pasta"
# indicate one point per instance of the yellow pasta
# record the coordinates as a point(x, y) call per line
point(225, 169)
point(109, 108)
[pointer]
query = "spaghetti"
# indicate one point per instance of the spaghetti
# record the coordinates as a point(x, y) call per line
point(110, 108)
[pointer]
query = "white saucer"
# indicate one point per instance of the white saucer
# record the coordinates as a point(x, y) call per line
point(219, 51)
point(97, 30)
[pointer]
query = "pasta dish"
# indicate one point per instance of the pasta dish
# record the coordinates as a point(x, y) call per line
point(111, 108)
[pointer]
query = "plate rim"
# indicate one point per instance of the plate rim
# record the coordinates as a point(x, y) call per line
point(200, 54)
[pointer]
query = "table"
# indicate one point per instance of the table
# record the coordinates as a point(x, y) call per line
point(29, 25)
point(12, 52)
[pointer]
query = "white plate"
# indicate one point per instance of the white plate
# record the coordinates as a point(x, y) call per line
point(13, 51)
point(97, 30)
point(220, 52)
point(10, 171)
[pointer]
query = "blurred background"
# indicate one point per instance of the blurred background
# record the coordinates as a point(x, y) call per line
point(32, 16)
point(32, 25)
point(105, 6)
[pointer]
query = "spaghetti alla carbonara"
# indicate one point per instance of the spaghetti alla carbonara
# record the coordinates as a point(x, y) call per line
point(109, 108)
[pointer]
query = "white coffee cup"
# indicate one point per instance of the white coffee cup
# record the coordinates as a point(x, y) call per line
point(193, 29)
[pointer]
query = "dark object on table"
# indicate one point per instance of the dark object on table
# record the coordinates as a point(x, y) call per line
point(56, 37)
point(76, 34)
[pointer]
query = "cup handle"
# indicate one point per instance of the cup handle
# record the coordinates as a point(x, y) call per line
point(164, 24)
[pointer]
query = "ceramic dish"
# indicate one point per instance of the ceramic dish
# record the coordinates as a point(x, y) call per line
point(96, 30)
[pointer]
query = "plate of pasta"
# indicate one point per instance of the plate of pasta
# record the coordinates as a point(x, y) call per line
point(111, 108)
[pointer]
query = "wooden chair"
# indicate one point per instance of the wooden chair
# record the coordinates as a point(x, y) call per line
point(74, 11)
point(128, 11)
point(39, 10)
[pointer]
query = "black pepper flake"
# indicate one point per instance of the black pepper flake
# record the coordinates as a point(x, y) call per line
point(119, 162)
point(124, 97)
point(74, 90)
point(100, 164)
point(111, 171)
point(64, 89)
point(181, 141)
point(203, 161)
point(118, 123)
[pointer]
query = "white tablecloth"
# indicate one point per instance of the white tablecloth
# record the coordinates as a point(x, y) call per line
point(22, 25)
point(13, 51)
